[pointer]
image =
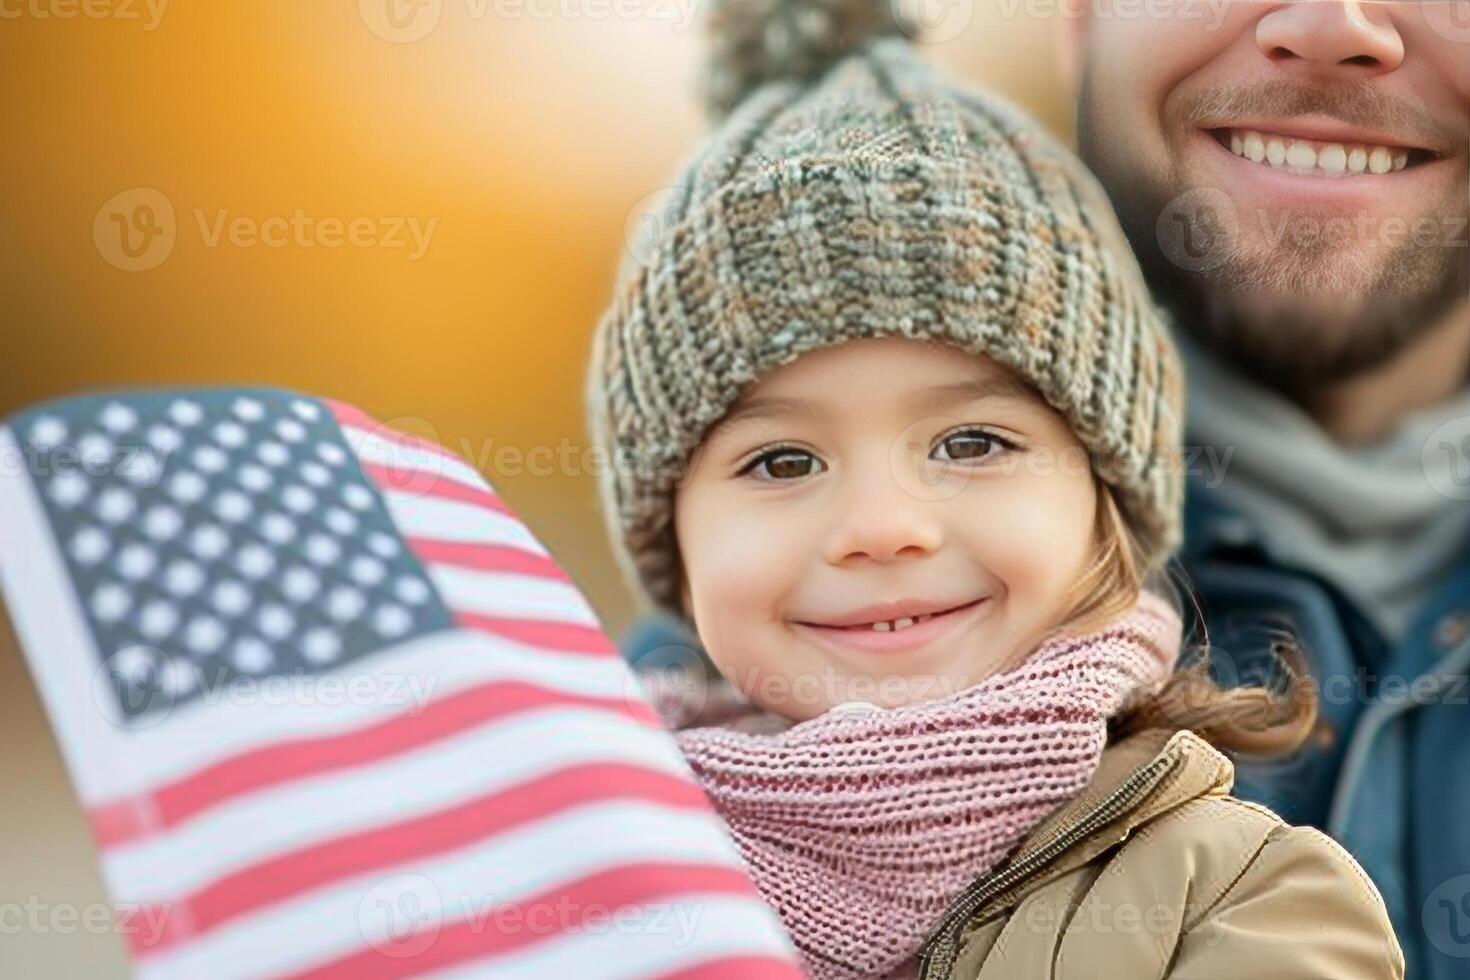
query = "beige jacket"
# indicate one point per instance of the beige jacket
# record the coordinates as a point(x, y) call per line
point(1155, 871)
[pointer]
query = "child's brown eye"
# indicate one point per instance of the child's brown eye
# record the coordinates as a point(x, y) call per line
point(784, 464)
point(971, 444)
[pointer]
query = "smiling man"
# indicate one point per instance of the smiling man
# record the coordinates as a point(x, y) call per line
point(1293, 177)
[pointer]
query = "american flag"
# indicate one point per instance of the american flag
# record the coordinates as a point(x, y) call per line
point(333, 711)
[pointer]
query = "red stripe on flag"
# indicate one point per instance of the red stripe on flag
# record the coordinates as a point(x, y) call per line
point(565, 637)
point(487, 558)
point(123, 821)
point(427, 483)
point(292, 873)
point(466, 939)
point(351, 415)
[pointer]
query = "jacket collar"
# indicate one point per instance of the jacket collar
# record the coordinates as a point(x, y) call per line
point(1168, 768)
point(1139, 777)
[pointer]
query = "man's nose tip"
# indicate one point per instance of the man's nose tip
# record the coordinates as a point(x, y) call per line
point(1337, 34)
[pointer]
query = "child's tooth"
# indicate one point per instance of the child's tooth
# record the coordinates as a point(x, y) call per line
point(1379, 161)
point(1400, 159)
point(902, 623)
point(1333, 158)
point(1255, 147)
point(882, 627)
point(1301, 155)
point(1237, 145)
point(1276, 152)
point(1357, 159)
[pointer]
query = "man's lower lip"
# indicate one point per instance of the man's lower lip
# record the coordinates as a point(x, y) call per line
point(891, 641)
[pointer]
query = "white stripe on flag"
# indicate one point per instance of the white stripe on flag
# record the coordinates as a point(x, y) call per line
point(427, 780)
point(512, 595)
point(422, 516)
point(375, 448)
point(338, 919)
point(700, 928)
point(404, 679)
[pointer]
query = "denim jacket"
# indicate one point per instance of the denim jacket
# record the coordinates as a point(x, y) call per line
point(1388, 775)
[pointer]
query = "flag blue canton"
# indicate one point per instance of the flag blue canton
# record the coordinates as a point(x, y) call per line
point(218, 535)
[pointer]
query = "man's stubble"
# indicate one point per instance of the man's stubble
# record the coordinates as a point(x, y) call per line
point(1295, 311)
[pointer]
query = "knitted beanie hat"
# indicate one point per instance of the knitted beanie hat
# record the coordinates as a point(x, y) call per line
point(850, 191)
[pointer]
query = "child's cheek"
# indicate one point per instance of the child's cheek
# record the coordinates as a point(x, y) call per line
point(741, 541)
point(1035, 536)
point(735, 562)
point(740, 566)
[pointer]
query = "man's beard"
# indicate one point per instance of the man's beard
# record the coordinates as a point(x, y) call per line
point(1300, 319)
point(1296, 311)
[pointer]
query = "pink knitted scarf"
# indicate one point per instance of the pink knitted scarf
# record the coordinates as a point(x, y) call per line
point(861, 828)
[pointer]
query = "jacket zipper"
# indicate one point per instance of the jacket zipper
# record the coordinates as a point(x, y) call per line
point(937, 957)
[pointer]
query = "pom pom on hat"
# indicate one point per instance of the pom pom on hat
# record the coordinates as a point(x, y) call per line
point(753, 42)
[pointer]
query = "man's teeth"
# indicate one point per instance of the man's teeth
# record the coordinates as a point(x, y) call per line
point(894, 624)
point(1314, 158)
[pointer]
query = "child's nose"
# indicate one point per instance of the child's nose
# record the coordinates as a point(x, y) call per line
point(878, 519)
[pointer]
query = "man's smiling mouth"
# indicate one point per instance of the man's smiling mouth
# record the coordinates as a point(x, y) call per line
point(1318, 158)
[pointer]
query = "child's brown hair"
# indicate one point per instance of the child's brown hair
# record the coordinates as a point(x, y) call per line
point(1257, 721)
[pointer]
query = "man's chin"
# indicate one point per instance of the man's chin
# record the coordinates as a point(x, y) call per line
point(1295, 284)
point(1303, 323)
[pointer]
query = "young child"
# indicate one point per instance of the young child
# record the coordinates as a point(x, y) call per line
point(897, 430)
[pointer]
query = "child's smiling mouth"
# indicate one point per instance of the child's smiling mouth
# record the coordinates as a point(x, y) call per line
point(891, 627)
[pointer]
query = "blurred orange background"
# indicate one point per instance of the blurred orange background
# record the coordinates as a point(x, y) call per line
point(517, 137)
